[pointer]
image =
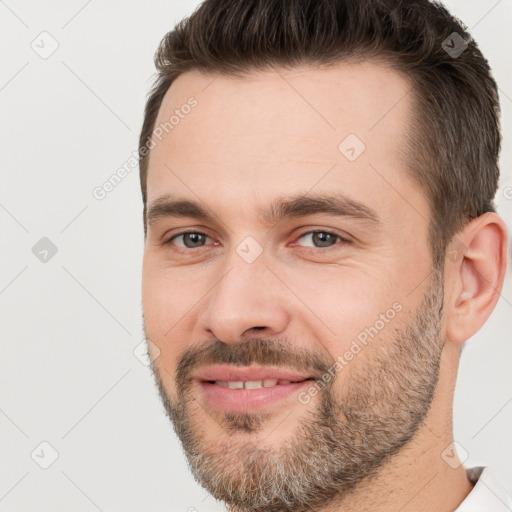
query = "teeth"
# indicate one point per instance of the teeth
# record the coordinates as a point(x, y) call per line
point(251, 384)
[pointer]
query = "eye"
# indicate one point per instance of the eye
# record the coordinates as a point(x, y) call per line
point(322, 239)
point(190, 239)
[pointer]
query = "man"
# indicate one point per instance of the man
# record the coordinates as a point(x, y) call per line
point(318, 182)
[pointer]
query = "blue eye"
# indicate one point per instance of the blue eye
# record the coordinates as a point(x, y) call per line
point(191, 239)
point(322, 240)
point(325, 239)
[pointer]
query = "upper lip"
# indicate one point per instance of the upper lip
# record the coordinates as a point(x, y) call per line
point(234, 373)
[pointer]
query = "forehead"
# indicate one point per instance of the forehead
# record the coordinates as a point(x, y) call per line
point(282, 130)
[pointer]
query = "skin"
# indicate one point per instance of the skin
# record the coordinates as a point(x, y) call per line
point(270, 135)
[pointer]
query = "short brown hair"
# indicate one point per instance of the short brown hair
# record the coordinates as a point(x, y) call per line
point(454, 140)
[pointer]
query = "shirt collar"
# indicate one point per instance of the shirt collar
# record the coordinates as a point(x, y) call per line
point(487, 494)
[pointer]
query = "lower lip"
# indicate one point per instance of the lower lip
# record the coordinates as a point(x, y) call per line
point(246, 400)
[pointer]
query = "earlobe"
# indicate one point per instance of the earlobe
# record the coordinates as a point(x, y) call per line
point(476, 279)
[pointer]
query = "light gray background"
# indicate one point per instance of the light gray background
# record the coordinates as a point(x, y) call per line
point(70, 325)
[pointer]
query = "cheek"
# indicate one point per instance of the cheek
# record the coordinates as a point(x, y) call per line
point(167, 296)
point(163, 307)
point(343, 301)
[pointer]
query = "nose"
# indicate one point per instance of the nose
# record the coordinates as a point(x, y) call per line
point(248, 299)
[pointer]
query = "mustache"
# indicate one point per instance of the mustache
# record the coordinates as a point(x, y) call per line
point(259, 351)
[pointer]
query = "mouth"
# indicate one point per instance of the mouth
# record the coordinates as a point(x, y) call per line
point(231, 388)
point(254, 384)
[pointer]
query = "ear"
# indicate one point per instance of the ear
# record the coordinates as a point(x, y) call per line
point(475, 269)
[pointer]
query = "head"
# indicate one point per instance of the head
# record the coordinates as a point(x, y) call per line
point(334, 164)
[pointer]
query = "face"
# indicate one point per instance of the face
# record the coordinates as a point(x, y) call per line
point(287, 281)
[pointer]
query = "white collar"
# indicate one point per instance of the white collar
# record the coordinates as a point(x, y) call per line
point(487, 495)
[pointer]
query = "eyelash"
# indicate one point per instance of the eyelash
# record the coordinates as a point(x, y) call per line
point(342, 241)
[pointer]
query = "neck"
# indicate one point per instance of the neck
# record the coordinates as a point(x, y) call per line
point(417, 480)
point(426, 475)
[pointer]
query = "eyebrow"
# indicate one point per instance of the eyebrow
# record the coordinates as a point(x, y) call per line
point(297, 206)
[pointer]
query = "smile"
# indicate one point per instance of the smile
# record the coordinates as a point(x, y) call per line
point(254, 384)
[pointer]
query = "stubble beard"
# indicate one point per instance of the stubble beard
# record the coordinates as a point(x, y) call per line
point(350, 434)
